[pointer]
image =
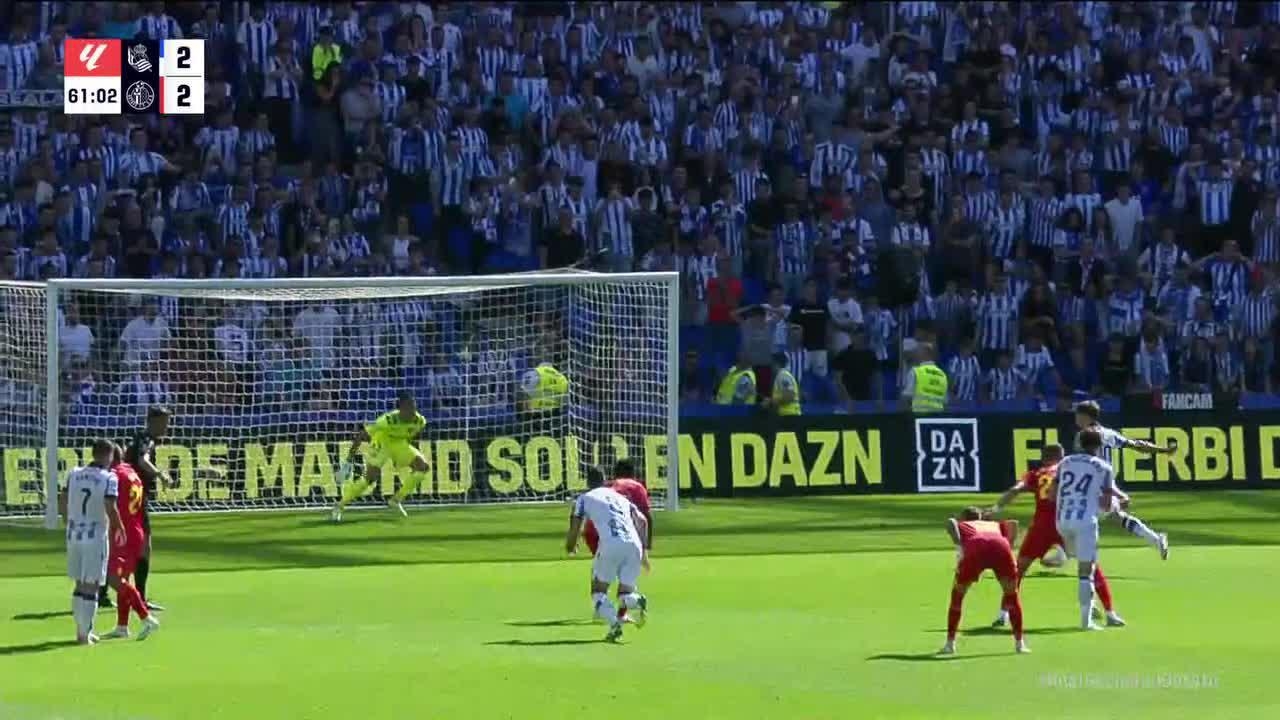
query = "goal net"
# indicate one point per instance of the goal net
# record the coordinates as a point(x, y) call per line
point(268, 382)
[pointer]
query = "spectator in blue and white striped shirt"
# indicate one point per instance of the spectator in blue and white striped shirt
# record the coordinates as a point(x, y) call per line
point(257, 39)
point(965, 373)
point(997, 319)
point(1151, 365)
point(1003, 381)
point(1254, 315)
point(156, 25)
point(792, 250)
point(1214, 194)
point(1035, 365)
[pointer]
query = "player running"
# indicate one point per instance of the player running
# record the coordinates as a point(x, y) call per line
point(125, 555)
point(983, 545)
point(389, 440)
point(1086, 485)
point(1086, 417)
point(1043, 535)
point(620, 557)
point(88, 503)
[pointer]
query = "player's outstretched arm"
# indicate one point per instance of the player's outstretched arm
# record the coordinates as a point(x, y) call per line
point(1007, 497)
point(953, 529)
point(1149, 447)
point(1011, 532)
point(361, 437)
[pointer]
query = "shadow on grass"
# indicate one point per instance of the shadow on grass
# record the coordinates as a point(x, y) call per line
point(49, 615)
point(1071, 575)
point(931, 657)
point(566, 622)
point(980, 631)
point(544, 643)
point(39, 647)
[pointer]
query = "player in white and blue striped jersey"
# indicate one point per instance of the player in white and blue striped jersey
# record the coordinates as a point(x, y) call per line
point(88, 503)
point(1087, 416)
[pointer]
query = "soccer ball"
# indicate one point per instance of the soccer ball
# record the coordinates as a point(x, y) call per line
point(1055, 558)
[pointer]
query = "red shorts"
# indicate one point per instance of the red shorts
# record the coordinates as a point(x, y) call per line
point(124, 558)
point(591, 537)
point(985, 554)
point(1040, 539)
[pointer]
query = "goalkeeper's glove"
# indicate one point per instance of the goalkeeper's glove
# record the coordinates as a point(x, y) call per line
point(344, 472)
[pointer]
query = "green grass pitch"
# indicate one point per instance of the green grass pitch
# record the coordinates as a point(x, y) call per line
point(806, 608)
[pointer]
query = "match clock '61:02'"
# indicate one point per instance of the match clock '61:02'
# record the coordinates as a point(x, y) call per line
point(92, 96)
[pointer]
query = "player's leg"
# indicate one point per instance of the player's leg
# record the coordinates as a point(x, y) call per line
point(1139, 529)
point(84, 597)
point(628, 598)
point(1035, 544)
point(1083, 544)
point(356, 489)
point(1103, 591)
point(1007, 573)
point(954, 611)
point(418, 474)
point(606, 566)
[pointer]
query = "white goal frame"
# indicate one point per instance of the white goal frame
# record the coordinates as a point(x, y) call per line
point(380, 287)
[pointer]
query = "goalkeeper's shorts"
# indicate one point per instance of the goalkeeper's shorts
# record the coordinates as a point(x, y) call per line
point(398, 454)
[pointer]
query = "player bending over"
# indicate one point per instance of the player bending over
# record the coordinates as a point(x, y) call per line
point(125, 555)
point(1043, 535)
point(1086, 485)
point(983, 545)
point(388, 439)
point(624, 482)
point(88, 503)
point(1087, 414)
point(620, 557)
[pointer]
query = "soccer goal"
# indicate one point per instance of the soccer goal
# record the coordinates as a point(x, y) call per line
point(268, 381)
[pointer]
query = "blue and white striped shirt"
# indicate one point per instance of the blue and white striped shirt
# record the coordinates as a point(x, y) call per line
point(793, 248)
point(1215, 200)
point(997, 319)
point(965, 375)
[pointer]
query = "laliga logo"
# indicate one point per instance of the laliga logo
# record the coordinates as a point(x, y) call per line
point(91, 54)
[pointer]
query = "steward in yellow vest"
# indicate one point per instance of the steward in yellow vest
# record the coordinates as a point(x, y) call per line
point(785, 398)
point(929, 384)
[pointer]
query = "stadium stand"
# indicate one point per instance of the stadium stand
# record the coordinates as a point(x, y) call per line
point(1088, 190)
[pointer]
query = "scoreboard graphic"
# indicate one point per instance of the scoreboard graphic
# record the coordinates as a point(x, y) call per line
point(135, 77)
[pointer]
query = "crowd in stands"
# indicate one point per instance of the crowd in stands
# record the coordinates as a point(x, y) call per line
point(1090, 187)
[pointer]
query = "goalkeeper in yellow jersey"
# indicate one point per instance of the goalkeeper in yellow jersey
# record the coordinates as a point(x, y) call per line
point(388, 439)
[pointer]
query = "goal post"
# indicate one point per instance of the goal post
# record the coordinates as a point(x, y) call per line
point(268, 381)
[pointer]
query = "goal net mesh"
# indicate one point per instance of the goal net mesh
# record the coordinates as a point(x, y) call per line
point(269, 385)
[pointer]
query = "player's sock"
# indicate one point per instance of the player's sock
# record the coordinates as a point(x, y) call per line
point(416, 480)
point(1013, 604)
point(1137, 528)
point(77, 614)
point(1102, 588)
point(630, 600)
point(83, 608)
point(604, 608)
point(123, 604)
point(953, 614)
point(1085, 594)
point(352, 492)
point(131, 599)
point(140, 574)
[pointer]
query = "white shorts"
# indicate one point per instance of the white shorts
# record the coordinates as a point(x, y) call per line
point(618, 561)
point(1081, 540)
point(87, 562)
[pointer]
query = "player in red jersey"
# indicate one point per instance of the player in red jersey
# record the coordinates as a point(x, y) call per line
point(1043, 535)
point(124, 555)
point(983, 545)
point(624, 482)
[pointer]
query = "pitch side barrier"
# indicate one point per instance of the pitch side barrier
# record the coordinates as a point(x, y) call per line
point(745, 456)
